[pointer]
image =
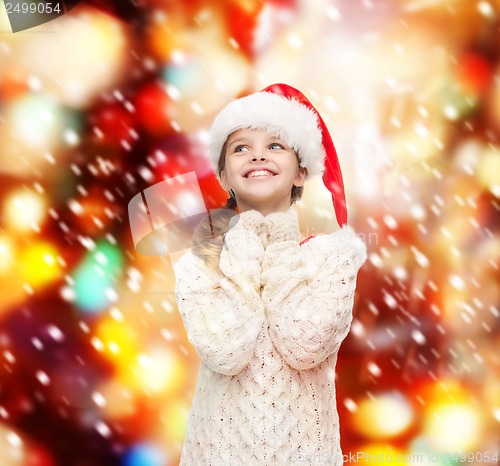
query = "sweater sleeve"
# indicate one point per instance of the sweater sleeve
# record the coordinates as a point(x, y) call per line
point(309, 294)
point(222, 310)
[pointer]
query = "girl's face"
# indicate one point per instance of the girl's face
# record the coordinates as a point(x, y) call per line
point(251, 149)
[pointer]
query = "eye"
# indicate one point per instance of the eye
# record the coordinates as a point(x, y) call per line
point(278, 145)
point(236, 149)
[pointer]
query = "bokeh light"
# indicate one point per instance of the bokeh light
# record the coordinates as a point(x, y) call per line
point(145, 455)
point(96, 276)
point(116, 339)
point(78, 56)
point(454, 427)
point(24, 210)
point(39, 264)
point(452, 420)
point(6, 254)
point(158, 371)
point(386, 416)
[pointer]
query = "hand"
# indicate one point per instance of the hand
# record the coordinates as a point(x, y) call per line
point(282, 226)
point(251, 220)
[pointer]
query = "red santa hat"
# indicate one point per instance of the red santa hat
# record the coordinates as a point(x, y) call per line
point(285, 111)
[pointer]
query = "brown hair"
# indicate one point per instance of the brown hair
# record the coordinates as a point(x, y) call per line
point(209, 236)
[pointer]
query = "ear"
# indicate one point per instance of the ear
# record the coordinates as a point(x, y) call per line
point(223, 180)
point(300, 177)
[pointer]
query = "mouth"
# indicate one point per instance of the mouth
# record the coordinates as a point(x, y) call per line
point(260, 176)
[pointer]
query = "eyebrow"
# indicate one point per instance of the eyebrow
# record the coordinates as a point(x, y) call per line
point(236, 140)
point(243, 139)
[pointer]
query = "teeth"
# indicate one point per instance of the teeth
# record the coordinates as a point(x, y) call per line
point(260, 173)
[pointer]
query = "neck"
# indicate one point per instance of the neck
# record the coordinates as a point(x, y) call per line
point(263, 212)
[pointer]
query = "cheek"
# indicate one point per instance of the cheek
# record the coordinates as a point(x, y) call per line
point(291, 166)
point(233, 170)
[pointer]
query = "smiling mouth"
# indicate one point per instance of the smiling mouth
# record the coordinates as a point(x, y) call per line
point(259, 177)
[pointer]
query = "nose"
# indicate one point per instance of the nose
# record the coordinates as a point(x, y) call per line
point(261, 158)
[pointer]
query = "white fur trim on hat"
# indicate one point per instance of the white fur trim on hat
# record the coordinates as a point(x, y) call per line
point(294, 122)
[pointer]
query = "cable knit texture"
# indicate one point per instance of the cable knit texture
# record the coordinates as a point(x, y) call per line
point(251, 220)
point(268, 327)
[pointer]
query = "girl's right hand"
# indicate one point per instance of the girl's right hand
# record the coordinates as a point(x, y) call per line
point(253, 221)
point(282, 226)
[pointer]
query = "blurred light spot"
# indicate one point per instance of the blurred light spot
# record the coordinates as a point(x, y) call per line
point(390, 301)
point(375, 259)
point(38, 264)
point(119, 339)
point(295, 41)
point(6, 254)
point(95, 277)
point(103, 429)
point(14, 440)
point(390, 221)
point(145, 454)
point(55, 333)
point(400, 272)
point(454, 426)
point(115, 399)
point(486, 9)
point(42, 377)
point(71, 137)
point(159, 371)
point(488, 169)
point(385, 416)
point(68, 293)
point(451, 112)
point(419, 257)
point(418, 336)
point(417, 212)
point(457, 282)
point(24, 209)
point(357, 328)
point(36, 120)
point(332, 13)
point(350, 404)
point(98, 399)
point(90, 57)
point(175, 418)
point(374, 369)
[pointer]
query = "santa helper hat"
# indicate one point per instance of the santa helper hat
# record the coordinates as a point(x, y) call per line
point(285, 111)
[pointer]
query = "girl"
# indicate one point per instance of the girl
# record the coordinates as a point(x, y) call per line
point(265, 312)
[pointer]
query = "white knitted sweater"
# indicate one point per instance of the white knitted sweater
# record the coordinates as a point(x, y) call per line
point(266, 390)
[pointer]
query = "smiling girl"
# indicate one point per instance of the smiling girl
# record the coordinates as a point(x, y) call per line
point(265, 312)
